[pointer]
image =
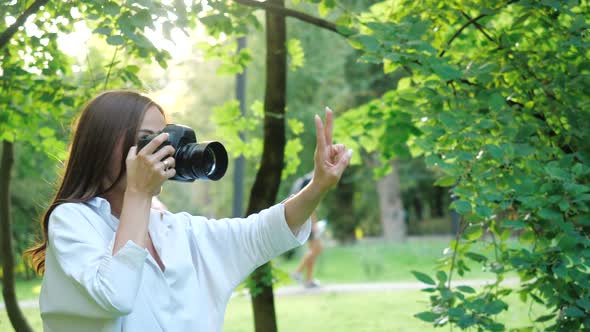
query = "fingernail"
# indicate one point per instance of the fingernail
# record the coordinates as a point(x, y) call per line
point(349, 153)
point(328, 109)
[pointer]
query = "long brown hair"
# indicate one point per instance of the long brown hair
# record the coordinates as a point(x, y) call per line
point(108, 118)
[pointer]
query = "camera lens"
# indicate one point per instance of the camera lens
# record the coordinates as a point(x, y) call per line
point(207, 160)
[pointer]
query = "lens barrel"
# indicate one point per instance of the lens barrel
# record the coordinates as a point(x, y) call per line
point(205, 160)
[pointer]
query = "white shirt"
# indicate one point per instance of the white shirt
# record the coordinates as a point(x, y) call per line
point(86, 288)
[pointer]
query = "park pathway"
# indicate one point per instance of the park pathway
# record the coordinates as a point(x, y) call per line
point(340, 288)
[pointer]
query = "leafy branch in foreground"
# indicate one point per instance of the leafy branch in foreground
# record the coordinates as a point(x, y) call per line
point(502, 111)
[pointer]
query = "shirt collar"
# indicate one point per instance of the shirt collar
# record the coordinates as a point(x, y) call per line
point(104, 207)
point(100, 203)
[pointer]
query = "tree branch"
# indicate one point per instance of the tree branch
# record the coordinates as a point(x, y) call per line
point(462, 227)
point(11, 30)
point(473, 21)
point(458, 32)
point(324, 24)
point(479, 27)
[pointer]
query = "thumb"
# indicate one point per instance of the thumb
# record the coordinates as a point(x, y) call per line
point(344, 161)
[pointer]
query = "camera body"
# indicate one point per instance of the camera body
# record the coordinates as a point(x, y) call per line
point(194, 161)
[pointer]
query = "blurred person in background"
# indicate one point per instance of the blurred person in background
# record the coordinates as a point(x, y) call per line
point(304, 271)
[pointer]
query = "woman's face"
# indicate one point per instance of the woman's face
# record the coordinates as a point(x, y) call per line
point(153, 122)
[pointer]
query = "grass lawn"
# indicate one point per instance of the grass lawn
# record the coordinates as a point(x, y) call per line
point(362, 312)
point(374, 261)
point(26, 289)
point(366, 312)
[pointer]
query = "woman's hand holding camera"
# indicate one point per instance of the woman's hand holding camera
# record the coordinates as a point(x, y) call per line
point(148, 169)
point(146, 172)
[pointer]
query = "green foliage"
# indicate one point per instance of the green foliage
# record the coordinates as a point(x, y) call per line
point(499, 95)
point(38, 91)
point(232, 62)
point(369, 128)
point(296, 55)
point(241, 133)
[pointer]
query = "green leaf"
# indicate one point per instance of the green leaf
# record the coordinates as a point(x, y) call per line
point(103, 31)
point(495, 151)
point(446, 72)
point(564, 206)
point(295, 126)
point(427, 316)
point(544, 318)
point(584, 303)
point(515, 224)
point(115, 40)
point(296, 54)
point(574, 312)
point(46, 132)
point(527, 237)
point(365, 42)
point(495, 307)
point(557, 173)
point(441, 276)
point(424, 278)
point(142, 19)
point(476, 257)
point(461, 206)
point(456, 312)
point(389, 66)
point(483, 211)
point(345, 30)
point(325, 7)
point(496, 102)
point(445, 181)
point(466, 289)
point(551, 214)
point(111, 8)
point(473, 232)
point(126, 27)
point(132, 69)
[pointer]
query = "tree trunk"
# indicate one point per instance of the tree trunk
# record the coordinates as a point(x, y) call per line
point(438, 202)
point(240, 162)
point(417, 202)
point(268, 177)
point(390, 203)
point(17, 319)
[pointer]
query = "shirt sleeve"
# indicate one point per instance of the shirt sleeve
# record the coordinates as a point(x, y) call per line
point(110, 281)
point(233, 248)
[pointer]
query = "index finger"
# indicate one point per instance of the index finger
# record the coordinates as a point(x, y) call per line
point(329, 121)
point(320, 134)
point(154, 144)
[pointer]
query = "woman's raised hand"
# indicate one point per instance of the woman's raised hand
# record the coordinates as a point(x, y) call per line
point(330, 160)
point(147, 170)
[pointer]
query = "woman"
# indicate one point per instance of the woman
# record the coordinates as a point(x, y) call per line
point(112, 264)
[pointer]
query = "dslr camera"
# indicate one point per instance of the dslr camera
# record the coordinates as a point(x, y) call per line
point(194, 161)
